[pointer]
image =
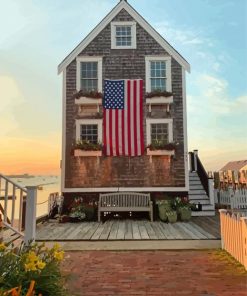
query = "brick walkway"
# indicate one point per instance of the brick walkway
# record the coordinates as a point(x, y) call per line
point(153, 273)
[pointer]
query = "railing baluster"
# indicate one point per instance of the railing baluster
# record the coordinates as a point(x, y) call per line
point(6, 201)
point(13, 206)
point(20, 210)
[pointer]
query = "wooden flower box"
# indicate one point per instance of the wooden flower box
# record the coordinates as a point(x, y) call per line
point(79, 152)
point(160, 152)
point(159, 101)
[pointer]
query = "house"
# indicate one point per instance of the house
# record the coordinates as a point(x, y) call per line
point(123, 46)
point(234, 173)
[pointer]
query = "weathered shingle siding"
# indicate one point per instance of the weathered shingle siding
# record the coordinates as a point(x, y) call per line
point(125, 171)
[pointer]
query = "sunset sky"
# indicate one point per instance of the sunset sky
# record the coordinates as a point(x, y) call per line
point(36, 35)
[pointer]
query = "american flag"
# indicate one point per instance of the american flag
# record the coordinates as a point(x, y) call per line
point(123, 117)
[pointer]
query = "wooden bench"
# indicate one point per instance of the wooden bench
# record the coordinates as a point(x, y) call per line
point(125, 202)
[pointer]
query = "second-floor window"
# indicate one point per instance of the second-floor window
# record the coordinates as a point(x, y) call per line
point(89, 74)
point(158, 73)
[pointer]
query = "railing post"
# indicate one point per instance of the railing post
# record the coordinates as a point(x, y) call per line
point(244, 240)
point(1, 229)
point(30, 221)
point(195, 159)
point(211, 191)
point(222, 225)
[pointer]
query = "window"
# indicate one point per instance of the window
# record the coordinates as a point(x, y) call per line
point(158, 74)
point(123, 35)
point(89, 130)
point(89, 73)
point(89, 76)
point(159, 130)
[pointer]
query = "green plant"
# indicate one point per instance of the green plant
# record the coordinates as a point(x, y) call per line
point(172, 216)
point(161, 145)
point(184, 213)
point(87, 146)
point(89, 94)
point(32, 263)
point(158, 93)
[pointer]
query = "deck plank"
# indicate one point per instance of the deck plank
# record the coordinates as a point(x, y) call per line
point(201, 230)
point(114, 230)
point(143, 230)
point(214, 230)
point(150, 231)
point(192, 232)
point(84, 229)
point(136, 231)
point(98, 232)
point(76, 231)
point(106, 231)
point(121, 230)
point(174, 231)
point(128, 233)
point(184, 234)
point(91, 231)
point(158, 232)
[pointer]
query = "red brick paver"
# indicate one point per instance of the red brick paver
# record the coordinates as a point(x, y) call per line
point(153, 273)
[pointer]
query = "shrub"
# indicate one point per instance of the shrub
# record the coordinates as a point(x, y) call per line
point(33, 264)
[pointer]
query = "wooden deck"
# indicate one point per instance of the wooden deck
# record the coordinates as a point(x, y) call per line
point(199, 228)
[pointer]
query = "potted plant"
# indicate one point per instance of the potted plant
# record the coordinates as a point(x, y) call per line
point(172, 216)
point(158, 147)
point(87, 94)
point(185, 213)
point(164, 206)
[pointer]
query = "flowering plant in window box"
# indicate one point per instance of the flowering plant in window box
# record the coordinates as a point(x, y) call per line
point(88, 94)
point(158, 93)
point(161, 148)
point(86, 148)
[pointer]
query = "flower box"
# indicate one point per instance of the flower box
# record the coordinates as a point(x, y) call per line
point(88, 101)
point(80, 152)
point(161, 100)
point(160, 152)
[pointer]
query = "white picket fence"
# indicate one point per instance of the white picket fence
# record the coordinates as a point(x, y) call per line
point(236, 199)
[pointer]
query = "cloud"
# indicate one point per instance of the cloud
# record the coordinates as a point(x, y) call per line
point(214, 91)
point(11, 97)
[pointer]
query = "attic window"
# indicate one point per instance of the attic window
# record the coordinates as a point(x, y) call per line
point(123, 35)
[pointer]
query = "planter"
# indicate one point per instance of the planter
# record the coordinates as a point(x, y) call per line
point(172, 216)
point(185, 214)
point(79, 152)
point(162, 212)
point(88, 101)
point(160, 152)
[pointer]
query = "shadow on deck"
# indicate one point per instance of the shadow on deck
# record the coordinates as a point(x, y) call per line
point(199, 228)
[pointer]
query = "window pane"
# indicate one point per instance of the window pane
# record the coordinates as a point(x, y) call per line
point(89, 76)
point(123, 35)
point(159, 132)
point(89, 132)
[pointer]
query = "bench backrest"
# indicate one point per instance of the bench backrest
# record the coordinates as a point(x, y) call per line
point(124, 199)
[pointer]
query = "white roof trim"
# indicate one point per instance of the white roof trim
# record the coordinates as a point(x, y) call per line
point(139, 19)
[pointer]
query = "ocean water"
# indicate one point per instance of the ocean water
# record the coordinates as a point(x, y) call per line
point(47, 185)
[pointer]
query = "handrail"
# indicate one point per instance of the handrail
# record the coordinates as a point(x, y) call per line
point(13, 183)
point(202, 175)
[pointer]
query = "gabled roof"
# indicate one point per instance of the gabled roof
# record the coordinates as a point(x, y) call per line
point(139, 19)
point(234, 165)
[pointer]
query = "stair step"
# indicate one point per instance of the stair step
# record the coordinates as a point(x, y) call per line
point(203, 213)
point(195, 182)
point(201, 201)
point(208, 207)
point(197, 192)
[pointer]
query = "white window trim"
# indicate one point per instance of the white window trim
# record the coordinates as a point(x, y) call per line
point(167, 59)
point(113, 35)
point(79, 122)
point(149, 121)
point(78, 70)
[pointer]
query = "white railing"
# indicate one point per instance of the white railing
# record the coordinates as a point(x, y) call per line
point(12, 198)
point(54, 199)
point(236, 199)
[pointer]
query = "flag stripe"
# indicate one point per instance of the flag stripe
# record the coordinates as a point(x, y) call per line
point(123, 127)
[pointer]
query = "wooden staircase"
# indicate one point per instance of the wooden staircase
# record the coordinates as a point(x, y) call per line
point(200, 187)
